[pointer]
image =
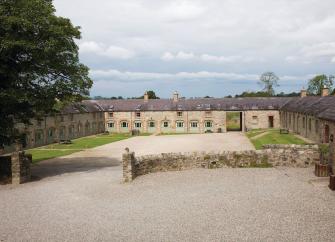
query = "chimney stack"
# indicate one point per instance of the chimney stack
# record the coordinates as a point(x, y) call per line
point(303, 92)
point(175, 96)
point(325, 91)
point(146, 96)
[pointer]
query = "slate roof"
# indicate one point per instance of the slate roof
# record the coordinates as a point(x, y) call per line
point(321, 107)
point(200, 104)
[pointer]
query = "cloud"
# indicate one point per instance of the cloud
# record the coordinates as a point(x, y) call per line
point(181, 55)
point(111, 51)
point(319, 50)
point(333, 60)
point(113, 74)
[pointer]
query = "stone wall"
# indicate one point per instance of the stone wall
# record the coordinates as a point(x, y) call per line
point(15, 168)
point(271, 155)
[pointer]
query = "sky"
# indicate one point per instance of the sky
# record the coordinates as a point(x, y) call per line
point(201, 47)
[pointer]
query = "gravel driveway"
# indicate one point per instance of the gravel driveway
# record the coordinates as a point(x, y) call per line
point(110, 154)
point(274, 204)
point(80, 198)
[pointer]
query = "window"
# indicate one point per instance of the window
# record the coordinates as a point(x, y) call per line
point(316, 126)
point(151, 124)
point(111, 125)
point(194, 124)
point(124, 124)
point(111, 115)
point(179, 114)
point(138, 114)
point(50, 132)
point(138, 125)
point(208, 124)
point(165, 124)
point(303, 122)
point(310, 124)
point(180, 124)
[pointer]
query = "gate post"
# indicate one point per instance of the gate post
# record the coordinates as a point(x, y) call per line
point(128, 163)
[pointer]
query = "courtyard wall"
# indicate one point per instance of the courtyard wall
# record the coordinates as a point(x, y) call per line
point(271, 155)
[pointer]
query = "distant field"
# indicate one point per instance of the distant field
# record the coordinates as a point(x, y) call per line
point(57, 150)
point(233, 121)
point(272, 136)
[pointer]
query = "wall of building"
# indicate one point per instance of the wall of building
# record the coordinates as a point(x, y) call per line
point(306, 125)
point(272, 155)
point(193, 121)
point(260, 119)
point(61, 127)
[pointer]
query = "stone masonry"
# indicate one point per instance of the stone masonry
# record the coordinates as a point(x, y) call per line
point(15, 167)
point(271, 155)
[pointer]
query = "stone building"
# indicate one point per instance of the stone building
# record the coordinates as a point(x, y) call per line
point(199, 115)
point(75, 121)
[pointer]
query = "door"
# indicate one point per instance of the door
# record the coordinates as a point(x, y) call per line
point(271, 122)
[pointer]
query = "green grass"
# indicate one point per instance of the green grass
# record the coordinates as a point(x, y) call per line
point(274, 137)
point(40, 154)
point(57, 150)
point(255, 132)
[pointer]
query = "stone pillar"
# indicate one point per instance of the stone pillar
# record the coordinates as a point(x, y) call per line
point(20, 164)
point(128, 165)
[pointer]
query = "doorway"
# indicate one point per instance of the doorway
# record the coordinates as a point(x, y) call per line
point(234, 121)
point(271, 122)
point(326, 139)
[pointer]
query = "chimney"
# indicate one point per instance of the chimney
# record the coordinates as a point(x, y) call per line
point(325, 91)
point(175, 96)
point(303, 92)
point(146, 96)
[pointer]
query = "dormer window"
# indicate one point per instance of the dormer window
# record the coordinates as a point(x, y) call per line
point(179, 114)
point(111, 114)
point(138, 114)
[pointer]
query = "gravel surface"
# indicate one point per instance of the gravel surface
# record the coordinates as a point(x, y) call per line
point(110, 155)
point(275, 204)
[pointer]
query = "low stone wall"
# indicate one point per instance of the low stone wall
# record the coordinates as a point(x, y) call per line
point(15, 168)
point(271, 155)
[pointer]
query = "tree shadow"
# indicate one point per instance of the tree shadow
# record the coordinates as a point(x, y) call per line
point(63, 165)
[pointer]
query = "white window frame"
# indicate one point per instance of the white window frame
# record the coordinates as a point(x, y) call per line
point(167, 124)
point(180, 124)
point(208, 122)
point(111, 125)
point(138, 125)
point(194, 124)
point(152, 122)
point(124, 122)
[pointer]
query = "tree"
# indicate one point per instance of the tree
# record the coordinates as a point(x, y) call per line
point(151, 95)
point(39, 64)
point(269, 80)
point(316, 84)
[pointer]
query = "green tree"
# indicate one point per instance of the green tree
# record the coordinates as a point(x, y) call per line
point(151, 95)
point(316, 84)
point(39, 63)
point(268, 81)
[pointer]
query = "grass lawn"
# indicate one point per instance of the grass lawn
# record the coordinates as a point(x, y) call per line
point(274, 137)
point(57, 150)
point(255, 132)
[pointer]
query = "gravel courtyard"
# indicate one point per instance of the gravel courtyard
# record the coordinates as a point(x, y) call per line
point(276, 204)
point(110, 154)
point(81, 198)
